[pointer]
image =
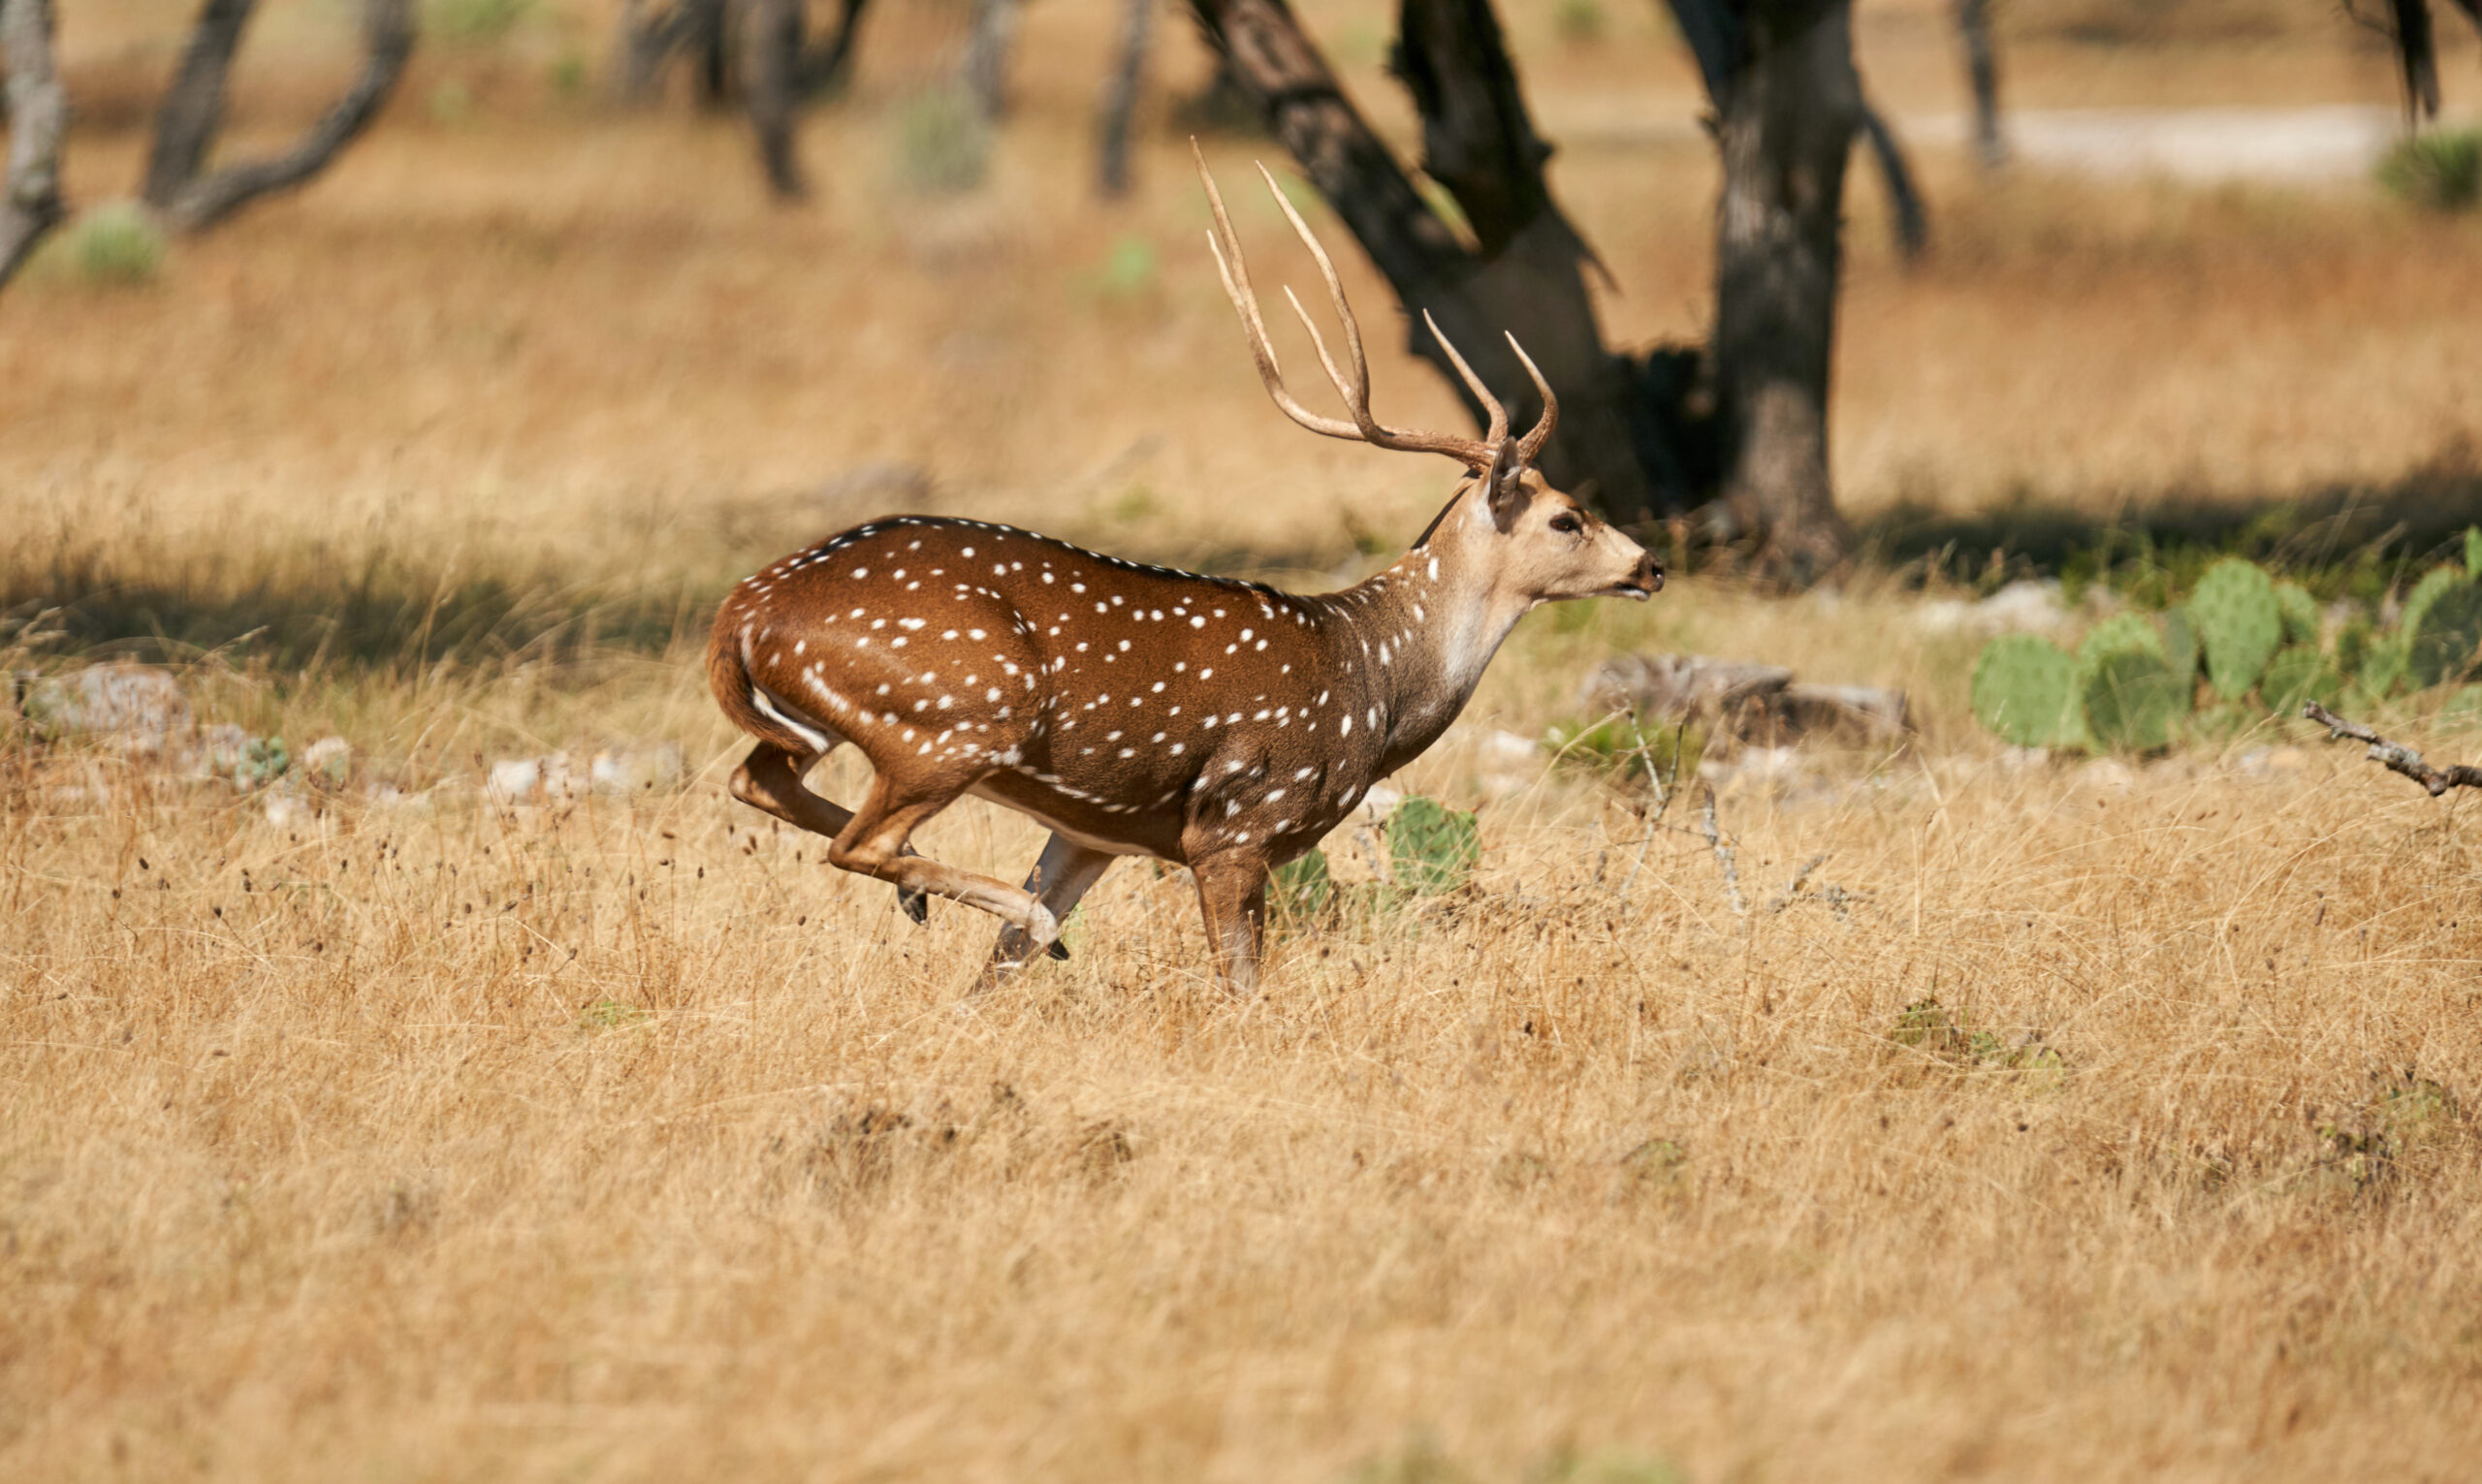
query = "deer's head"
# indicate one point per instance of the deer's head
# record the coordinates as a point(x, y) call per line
point(1515, 538)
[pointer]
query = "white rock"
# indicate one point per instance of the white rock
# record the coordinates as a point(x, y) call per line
point(636, 770)
point(514, 779)
point(2028, 605)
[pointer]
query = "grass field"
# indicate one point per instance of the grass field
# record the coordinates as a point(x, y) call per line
point(2103, 1121)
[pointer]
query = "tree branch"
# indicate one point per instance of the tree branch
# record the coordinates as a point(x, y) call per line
point(2397, 757)
point(389, 39)
point(30, 203)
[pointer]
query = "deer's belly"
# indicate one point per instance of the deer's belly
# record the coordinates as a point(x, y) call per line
point(1092, 821)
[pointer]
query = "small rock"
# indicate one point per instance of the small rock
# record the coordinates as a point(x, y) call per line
point(329, 761)
point(512, 779)
point(2108, 776)
point(2029, 606)
point(2021, 759)
point(636, 770)
point(141, 708)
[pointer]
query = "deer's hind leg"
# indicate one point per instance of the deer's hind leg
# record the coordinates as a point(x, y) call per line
point(873, 845)
point(770, 778)
point(1059, 877)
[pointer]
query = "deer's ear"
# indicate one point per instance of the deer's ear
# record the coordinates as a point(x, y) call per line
point(1505, 481)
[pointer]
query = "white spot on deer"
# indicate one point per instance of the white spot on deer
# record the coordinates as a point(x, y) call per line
point(1176, 749)
point(967, 552)
point(860, 572)
point(976, 635)
point(1345, 728)
point(993, 694)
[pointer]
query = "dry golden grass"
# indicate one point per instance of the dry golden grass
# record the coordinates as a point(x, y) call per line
point(438, 1141)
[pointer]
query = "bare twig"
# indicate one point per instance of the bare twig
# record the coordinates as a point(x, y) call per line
point(1792, 888)
point(2397, 757)
point(1714, 834)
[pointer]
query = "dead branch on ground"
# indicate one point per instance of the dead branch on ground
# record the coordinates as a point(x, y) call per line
point(2397, 757)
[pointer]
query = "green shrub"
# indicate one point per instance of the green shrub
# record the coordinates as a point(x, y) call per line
point(2440, 171)
point(118, 243)
point(943, 143)
point(1624, 749)
point(474, 23)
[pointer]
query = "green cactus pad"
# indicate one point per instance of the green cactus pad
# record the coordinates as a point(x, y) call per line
point(2121, 631)
point(2133, 700)
point(2180, 643)
point(2474, 550)
point(2025, 691)
point(2297, 612)
point(2382, 666)
point(1432, 849)
point(1302, 887)
point(2298, 673)
point(2239, 625)
point(2443, 638)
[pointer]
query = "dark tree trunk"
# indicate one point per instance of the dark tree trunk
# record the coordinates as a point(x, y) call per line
point(1904, 201)
point(1526, 269)
point(192, 112)
point(1982, 66)
point(187, 125)
point(38, 116)
point(827, 69)
point(771, 59)
point(1120, 98)
point(985, 74)
point(1786, 126)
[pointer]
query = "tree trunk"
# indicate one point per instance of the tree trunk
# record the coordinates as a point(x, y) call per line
point(1982, 66)
point(985, 74)
point(192, 204)
point(1904, 201)
point(772, 56)
point(1526, 271)
point(1120, 98)
point(826, 70)
point(38, 117)
point(1786, 132)
point(192, 112)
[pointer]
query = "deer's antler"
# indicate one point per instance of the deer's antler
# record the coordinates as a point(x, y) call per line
point(1489, 455)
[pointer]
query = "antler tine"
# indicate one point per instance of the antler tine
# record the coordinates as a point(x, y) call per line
point(1234, 269)
point(1499, 429)
point(1541, 432)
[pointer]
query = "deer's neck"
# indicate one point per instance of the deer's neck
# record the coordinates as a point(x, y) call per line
point(1418, 638)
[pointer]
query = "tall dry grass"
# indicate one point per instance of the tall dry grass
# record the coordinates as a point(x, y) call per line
point(435, 1140)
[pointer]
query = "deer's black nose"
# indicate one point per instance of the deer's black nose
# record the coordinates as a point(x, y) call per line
point(1651, 573)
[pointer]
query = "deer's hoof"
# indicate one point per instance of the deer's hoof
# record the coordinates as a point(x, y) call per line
point(1058, 949)
point(916, 904)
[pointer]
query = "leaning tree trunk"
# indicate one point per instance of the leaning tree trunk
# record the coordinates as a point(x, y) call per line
point(1786, 125)
point(1526, 271)
point(827, 69)
point(193, 111)
point(985, 74)
point(1981, 68)
point(1120, 99)
point(772, 62)
point(38, 116)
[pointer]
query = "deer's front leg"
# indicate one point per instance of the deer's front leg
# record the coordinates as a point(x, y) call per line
point(1059, 879)
point(1233, 893)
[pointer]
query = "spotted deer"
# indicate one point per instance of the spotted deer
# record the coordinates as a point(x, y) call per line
point(1137, 711)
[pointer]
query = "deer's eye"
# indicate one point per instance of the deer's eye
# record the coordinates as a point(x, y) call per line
point(1567, 524)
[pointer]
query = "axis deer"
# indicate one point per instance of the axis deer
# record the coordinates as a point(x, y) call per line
point(1220, 724)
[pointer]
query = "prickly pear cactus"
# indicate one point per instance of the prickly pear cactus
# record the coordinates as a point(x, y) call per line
point(1431, 849)
point(2297, 612)
point(2121, 631)
point(2025, 691)
point(2382, 666)
point(2133, 700)
point(2474, 550)
point(2180, 643)
point(2443, 637)
point(2240, 624)
point(1302, 887)
point(2298, 672)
